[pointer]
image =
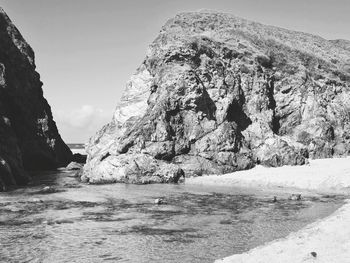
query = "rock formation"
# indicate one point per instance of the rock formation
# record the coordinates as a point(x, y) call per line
point(217, 94)
point(29, 139)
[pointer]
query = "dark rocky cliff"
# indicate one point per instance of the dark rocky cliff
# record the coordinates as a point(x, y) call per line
point(29, 139)
point(218, 94)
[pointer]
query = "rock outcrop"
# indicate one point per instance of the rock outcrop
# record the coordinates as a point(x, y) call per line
point(217, 94)
point(29, 139)
point(74, 166)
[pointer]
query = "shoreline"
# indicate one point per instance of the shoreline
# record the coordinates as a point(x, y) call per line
point(329, 237)
point(321, 176)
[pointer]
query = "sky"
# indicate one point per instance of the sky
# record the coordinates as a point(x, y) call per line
point(86, 50)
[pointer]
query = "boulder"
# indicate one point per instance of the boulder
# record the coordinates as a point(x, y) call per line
point(217, 94)
point(79, 158)
point(74, 166)
point(137, 169)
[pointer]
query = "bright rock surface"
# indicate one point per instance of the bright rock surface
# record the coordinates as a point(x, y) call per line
point(218, 94)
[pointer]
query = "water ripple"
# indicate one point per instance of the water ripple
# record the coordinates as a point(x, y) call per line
point(72, 222)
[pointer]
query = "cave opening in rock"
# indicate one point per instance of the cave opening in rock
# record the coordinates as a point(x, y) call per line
point(236, 114)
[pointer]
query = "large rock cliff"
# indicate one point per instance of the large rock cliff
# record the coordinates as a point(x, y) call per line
point(217, 94)
point(29, 139)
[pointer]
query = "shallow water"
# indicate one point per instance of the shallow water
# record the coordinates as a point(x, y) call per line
point(120, 223)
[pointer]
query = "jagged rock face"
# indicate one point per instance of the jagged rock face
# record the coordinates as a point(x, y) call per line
point(218, 94)
point(29, 139)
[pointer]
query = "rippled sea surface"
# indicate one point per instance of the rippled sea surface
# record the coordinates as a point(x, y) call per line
point(74, 222)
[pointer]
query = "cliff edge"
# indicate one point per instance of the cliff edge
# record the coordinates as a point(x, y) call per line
point(29, 139)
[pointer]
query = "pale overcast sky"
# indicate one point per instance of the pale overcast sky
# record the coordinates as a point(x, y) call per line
point(86, 50)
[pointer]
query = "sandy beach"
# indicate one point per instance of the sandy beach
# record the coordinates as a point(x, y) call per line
point(328, 238)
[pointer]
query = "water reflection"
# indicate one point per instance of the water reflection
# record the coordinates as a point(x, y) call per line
point(57, 219)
